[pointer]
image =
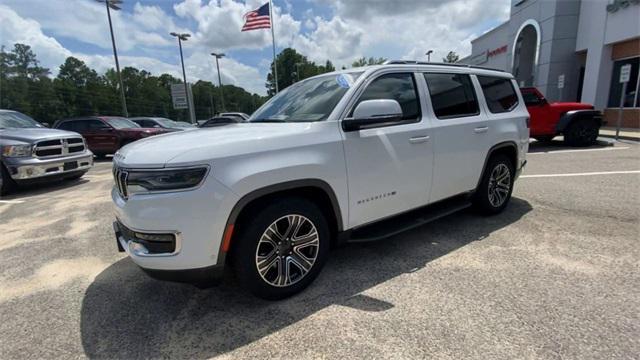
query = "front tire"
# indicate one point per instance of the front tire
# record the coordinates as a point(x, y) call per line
point(282, 248)
point(583, 132)
point(494, 192)
point(7, 185)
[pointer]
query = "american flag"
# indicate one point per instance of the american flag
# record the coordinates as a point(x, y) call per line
point(257, 19)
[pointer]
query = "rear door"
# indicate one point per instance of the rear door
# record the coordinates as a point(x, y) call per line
point(461, 132)
point(389, 167)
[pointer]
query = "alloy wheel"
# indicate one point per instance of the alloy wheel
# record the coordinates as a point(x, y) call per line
point(499, 185)
point(287, 250)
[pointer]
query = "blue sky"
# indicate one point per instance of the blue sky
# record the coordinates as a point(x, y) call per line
point(336, 30)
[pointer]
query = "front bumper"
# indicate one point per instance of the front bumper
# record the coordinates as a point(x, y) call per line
point(196, 218)
point(35, 168)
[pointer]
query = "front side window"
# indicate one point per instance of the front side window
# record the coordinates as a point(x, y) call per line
point(121, 123)
point(95, 125)
point(531, 98)
point(631, 98)
point(308, 100)
point(499, 93)
point(400, 87)
point(452, 95)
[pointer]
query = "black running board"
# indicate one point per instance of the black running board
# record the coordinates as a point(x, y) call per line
point(407, 221)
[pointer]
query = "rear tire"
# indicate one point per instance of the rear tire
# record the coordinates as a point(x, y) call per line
point(583, 132)
point(282, 248)
point(495, 188)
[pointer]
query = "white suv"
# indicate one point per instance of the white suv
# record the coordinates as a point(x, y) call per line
point(353, 155)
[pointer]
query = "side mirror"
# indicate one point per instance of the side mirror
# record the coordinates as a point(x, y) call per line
point(373, 112)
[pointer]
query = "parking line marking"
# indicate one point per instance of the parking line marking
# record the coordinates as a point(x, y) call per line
point(11, 201)
point(572, 151)
point(582, 174)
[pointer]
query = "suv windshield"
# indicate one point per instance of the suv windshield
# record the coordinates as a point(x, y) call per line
point(16, 120)
point(121, 123)
point(307, 100)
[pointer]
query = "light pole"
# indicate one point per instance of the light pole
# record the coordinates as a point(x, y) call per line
point(298, 69)
point(218, 56)
point(428, 53)
point(183, 37)
point(115, 5)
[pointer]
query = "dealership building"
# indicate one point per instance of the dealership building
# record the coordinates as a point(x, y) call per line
point(572, 50)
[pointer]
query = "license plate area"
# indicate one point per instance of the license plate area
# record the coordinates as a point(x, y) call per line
point(70, 165)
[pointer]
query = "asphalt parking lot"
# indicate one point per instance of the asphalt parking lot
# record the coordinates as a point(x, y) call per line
point(555, 276)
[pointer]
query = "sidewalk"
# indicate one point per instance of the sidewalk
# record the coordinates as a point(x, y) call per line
point(625, 133)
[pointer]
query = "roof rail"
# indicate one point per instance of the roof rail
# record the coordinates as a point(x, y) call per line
point(415, 62)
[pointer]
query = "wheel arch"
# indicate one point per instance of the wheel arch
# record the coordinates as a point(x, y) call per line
point(315, 189)
point(569, 117)
point(509, 148)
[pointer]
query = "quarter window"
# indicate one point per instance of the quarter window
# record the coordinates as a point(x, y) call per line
point(399, 87)
point(499, 93)
point(452, 95)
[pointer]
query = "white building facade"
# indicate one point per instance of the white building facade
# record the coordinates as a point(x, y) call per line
point(580, 45)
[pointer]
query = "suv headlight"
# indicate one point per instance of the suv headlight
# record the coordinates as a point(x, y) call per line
point(17, 150)
point(144, 181)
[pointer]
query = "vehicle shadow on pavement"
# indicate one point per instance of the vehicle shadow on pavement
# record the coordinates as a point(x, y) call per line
point(26, 191)
point(126, 314)
point(558, 144)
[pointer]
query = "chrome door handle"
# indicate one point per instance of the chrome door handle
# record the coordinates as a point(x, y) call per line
point(482, 129)
point(419, 139)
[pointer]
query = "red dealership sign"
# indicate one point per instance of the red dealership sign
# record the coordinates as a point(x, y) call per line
point(498, 51)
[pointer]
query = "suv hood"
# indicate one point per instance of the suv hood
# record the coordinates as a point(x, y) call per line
point(200, 146)
point(31, 135)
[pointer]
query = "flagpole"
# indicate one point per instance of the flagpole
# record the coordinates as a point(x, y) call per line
point(273, 37)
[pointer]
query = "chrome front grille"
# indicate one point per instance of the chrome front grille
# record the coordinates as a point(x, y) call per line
point(120, 178)
point(58, 147)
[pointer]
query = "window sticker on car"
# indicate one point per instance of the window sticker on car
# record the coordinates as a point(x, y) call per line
point(344, 81)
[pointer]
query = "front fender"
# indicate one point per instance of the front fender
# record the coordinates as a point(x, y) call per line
point(574, 115)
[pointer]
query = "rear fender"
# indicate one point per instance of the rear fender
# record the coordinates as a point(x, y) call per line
point(570, 116)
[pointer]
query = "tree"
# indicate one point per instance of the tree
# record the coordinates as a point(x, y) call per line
point(78, 90)
point(292, 67)
point(363, 61)
point(452, 57)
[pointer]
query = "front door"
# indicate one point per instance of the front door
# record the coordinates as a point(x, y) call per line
point(100, 136)
point(389, 168)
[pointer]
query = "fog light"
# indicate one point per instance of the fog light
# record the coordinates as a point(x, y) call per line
point(154, 237)
point(137, 248)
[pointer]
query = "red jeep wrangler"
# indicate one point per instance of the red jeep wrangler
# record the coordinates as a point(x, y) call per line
point(579, 123)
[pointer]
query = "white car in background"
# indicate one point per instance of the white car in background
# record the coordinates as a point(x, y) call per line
point(353, 155)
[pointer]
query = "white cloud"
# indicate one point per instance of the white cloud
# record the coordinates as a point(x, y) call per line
point(381, 28)
point(199, 65)
point(86, 21)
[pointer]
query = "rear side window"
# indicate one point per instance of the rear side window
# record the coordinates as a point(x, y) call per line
point(399, 87)
point(452, 95)
point(499, 93)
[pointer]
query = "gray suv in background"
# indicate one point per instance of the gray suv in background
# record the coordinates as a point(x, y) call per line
point(33, 153)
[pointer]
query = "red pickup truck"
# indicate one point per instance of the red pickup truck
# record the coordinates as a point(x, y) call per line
point(579, 123)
